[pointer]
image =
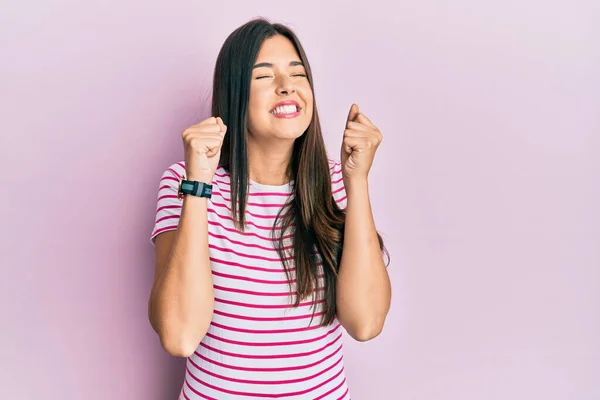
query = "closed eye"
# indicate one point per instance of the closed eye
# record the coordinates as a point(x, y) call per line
point(271, 76)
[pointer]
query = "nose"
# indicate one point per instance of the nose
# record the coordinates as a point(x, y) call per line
point(285, 86)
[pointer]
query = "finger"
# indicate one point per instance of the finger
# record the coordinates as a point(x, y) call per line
point(360, 133)
point(354, 133)
point(222, 125)
point(213, 152)
point(206, 145)
point(357, 144)
point(353, 112)
point(208, 121)
point(200, 137)
point(210, 128)
point(361, 142)
point(362, 118)
point(358, 126)
point(374, 137)
point(203, 129)
point(205, 142)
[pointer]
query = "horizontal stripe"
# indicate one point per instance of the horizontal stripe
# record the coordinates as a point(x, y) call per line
point(251, 256)
point(197, 393)
point(172, 206)
point(248, 267)
point(177, 174)
point(324, 395)
point(252, 193)
point(248, 279)
point(270, 344)
point(166, 228)
point(264, 331)
point(265, 306)
point(169, 178)
point(272, 369)
point(251, 245)
point(267, 319)
point(168, 196)
point(273, 355)
point(233, 230)
point(256, 293)
point(249, 203)
point(158, 221)
point(338, 190)
point(226, 217)
point(268, 395)
point(263, 382)
point(257, 194)
point(254, 268)
point(255, 215)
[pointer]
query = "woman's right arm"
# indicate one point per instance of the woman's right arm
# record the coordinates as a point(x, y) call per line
point(181, 302)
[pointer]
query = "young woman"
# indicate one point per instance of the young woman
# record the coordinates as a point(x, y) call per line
point(265, 248)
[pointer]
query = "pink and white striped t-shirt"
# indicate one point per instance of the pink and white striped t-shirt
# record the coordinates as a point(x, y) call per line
point(257, 346)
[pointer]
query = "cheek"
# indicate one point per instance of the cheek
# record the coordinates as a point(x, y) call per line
point(256, 107)
point(307, 95)
point(308, 98)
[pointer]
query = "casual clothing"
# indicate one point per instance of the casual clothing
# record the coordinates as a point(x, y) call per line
point(258, 346)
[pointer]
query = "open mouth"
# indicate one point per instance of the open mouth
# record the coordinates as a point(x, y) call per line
point(289, 109)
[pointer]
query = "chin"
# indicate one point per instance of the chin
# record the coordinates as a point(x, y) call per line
point(290, 135)
point(290, 132)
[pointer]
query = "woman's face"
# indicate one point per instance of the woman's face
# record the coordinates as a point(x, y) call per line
point(281, 99)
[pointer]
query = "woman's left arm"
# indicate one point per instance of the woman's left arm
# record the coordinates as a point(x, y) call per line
point(363, 292)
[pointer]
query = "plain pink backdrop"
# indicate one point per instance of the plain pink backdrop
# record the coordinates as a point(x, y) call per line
point(486, 187)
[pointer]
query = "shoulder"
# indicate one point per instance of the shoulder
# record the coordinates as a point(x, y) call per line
point(175, 170)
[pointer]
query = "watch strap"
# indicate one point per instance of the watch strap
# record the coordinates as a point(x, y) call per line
point(195, 188)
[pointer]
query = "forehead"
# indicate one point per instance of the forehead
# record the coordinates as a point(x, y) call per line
point(277, 49)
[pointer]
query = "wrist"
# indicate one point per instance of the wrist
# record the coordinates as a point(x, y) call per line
point(356, 184)
point(201, 177)
point(196, 185)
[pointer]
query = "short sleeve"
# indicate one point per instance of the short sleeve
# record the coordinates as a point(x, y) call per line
point(337, 184)
point(168, 206)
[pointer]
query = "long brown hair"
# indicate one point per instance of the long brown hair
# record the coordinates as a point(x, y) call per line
point(311, 214)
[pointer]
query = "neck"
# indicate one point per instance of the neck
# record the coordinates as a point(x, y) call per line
point(268, 162)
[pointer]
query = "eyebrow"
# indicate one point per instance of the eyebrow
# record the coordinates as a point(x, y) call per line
point(269, 65)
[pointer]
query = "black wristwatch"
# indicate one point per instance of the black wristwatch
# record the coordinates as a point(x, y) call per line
point(194, 188)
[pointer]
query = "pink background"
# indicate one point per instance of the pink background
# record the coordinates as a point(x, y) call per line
point(486, 187)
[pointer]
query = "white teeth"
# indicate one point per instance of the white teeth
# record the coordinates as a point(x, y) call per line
point(285, 110)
